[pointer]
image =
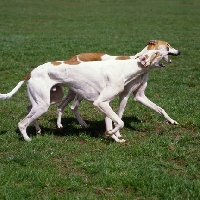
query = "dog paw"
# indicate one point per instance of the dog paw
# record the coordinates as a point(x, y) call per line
point(59, 125)
point(107, 133)
point(118, 135)
point(85, 126)
point(122, 141)
point(27, 139)
point(173, 122)
point(82, 123)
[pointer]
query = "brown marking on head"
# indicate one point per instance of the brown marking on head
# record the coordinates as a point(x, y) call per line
point(157, 45)
point(26, 77)
point(56, 63)
point(71, 62)
point(122, 58)
point(90, 57)
point(152, 44)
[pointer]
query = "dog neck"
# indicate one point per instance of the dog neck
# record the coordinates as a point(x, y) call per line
point(145, 50)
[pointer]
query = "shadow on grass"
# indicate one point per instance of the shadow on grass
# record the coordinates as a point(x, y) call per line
point(3, 132)
point(72, 128)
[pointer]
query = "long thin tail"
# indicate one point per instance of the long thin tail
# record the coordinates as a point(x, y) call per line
point(15, 89)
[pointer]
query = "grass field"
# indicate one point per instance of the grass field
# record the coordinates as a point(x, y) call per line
point(159, 161)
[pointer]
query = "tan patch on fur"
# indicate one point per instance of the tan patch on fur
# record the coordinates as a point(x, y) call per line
point(146, 56)
point(26, 77)
point(72, 59)
point(56, 63)
point(90, 56)
point(122, 58)
point(71, 62)
point(154, 44)
point(157, 44)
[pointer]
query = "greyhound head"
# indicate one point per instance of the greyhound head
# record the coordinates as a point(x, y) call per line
point(153, 58)
point(162, 45)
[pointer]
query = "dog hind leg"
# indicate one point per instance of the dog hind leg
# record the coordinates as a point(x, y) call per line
point(37, 127)
point(40, 102)
point(35, 112)
point(74, 108)
point(70, 97)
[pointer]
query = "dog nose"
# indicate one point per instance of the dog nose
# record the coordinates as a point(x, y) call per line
point(179, 52)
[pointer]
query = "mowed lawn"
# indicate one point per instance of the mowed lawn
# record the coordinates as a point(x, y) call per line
point(159, 160)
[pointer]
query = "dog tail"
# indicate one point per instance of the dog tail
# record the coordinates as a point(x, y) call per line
point(15, 89)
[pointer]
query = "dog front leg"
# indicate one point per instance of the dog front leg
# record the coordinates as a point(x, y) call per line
point(108, 121)
point(109, 126)
point(140, 97)
point(107, 110)
point(123, 98)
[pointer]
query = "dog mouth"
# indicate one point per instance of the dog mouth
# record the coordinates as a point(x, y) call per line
point(171, 54)
point(174, 54)
point(166, 58)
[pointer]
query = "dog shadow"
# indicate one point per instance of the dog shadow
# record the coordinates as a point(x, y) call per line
point(94, 129)
point(72, 128)
point(3, 132)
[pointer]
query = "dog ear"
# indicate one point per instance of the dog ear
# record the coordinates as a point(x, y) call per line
point(143, 60)
point(151, 42)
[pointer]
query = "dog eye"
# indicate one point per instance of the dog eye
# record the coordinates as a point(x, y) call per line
point(167, 48)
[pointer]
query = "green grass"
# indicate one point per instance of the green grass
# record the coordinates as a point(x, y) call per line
point(159, 160)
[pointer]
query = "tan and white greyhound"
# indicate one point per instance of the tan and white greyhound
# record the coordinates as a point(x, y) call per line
point(99, 82)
